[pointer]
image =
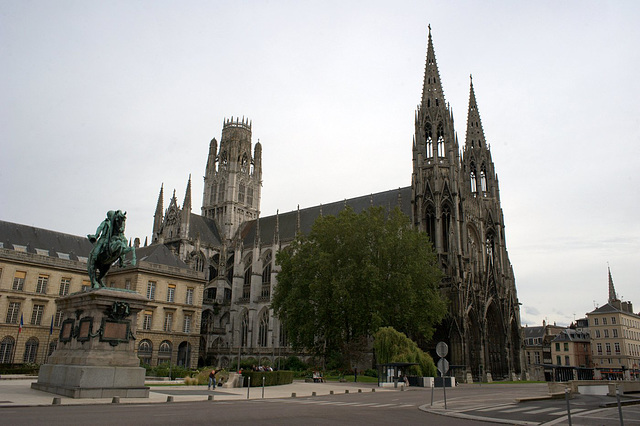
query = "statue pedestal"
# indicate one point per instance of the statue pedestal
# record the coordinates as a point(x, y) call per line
point(95, 357)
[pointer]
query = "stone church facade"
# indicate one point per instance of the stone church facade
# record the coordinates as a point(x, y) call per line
point(454, 197)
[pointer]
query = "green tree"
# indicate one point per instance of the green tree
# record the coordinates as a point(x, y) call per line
point(392, 346)
point(353, 274)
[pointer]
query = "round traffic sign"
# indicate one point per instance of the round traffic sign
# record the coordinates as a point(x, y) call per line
point(443, 366)
point(442, 349)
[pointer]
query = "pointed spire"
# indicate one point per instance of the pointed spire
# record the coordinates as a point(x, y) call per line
point(256, 240)
point(276, 232)
point(186, 205)
point(158, 216)
point(298, 220)
point(475, 134)
point(613, 297)
point(432, 94)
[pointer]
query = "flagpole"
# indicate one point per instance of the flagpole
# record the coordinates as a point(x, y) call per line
point(15, 348)
point(46, 348)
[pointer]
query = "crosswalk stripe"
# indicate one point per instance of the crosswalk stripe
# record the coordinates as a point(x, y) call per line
point(542, 410)
point(515, 410)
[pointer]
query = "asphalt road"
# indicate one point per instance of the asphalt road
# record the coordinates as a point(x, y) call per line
point(466, 405)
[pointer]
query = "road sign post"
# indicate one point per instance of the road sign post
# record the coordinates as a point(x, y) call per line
point(443, 367)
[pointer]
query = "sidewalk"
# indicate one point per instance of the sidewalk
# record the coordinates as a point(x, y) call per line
point(15, 391)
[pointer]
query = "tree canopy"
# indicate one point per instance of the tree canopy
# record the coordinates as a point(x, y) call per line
point(354, 273)
point(392, 346)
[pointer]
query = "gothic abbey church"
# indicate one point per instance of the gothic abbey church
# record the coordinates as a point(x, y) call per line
point(454, 197)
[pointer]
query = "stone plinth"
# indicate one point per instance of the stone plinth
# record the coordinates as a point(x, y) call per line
point(95, 357)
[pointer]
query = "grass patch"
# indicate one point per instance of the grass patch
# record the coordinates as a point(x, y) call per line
point(510, 382)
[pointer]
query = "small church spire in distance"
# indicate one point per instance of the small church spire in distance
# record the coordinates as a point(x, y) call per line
point(612, 291)
point(432, 94)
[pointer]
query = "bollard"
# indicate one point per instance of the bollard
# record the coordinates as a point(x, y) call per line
point(56, 401)
point(210, 398)
point(115, 400)
point(248, 386)
point(170, 398)
point(432, 387)
point(313, 394)
point(402, 388)
point(346, 391)
point(359, 390)
point(566, 397)
point(263, 377)
point(330, 392)
point(373, 390)
point(293, 394)
point(619, 405)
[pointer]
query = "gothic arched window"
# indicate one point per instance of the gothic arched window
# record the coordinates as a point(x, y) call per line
point(244, 329)
point(472, 178)
point(428, 135)
point(446, 226)
point(263, 329)
point(244, 164)
point(483, 179)
point(441, 151)
point(241, 189)
point(430, 223)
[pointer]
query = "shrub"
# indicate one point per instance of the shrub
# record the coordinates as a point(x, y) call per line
point(271, 378)
point(294, 363)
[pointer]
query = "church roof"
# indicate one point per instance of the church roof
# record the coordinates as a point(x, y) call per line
point(159, 254)
point(205, 229)
point(14, 236)
point(287, 223)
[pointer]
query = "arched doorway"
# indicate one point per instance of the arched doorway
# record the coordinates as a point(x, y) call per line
point(496, 344)
point(184, 354)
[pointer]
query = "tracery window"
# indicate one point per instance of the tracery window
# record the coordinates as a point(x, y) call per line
point(263, 329)
point(241, 189)
point(430, 223)
point(472, 179)
point(428, 136)
point(483, 178)
point(244, 330)
point(446, 226)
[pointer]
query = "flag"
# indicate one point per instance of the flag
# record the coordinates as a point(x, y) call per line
point(21, 324)
point(51, 328)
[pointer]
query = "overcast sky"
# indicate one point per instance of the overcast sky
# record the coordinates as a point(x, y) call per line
point(102, 102)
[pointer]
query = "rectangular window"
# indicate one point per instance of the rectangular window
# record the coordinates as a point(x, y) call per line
point(597, 334)
point(65, 283)
point(57, 322)
point(615, 332)
point(613, 320)
point(18, 280)
point(168, 320)
point(171, 293)
point(127, 284)
point(151, 290)
point(604, 321)
point(606, 333)
point(599, 348)
point(41, 286)
point(189, 300)
point(86, 285)
point(566, 360)
point(187, 324)
point(148, 317)
point(617, 348)
point(536, 356)
point(36, 314)
point(595, 321)
point(608, 348)
point(558, 347)
point(12, 313)
point(558, 360)
point(566, 346)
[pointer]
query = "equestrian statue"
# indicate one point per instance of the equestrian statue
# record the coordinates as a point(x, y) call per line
point(110, 245)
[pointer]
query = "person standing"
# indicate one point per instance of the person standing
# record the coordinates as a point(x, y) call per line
point(212, 379)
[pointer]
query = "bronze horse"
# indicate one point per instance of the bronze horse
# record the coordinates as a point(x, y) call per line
point(110, 246)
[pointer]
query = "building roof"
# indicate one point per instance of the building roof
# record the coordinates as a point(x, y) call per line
point(607, 308)
point(533, 332)
point(14, 236)
point(570, 335)
point(40, 241)
point(287, 223)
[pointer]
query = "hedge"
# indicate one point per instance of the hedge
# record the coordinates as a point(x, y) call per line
point(271, 378)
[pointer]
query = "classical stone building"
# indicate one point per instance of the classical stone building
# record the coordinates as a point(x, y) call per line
point(453, 196)
point(615, 338)
point(38, 265)
point(537, 347)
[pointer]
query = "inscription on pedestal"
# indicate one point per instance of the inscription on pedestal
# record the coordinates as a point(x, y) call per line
point(114, 331)
point(66, 331)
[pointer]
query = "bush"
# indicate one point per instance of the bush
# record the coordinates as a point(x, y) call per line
point(393, 346)
point(371, 372)
point(295, 364)
point(162, 370)
point(26, 368)
point(271, 378)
